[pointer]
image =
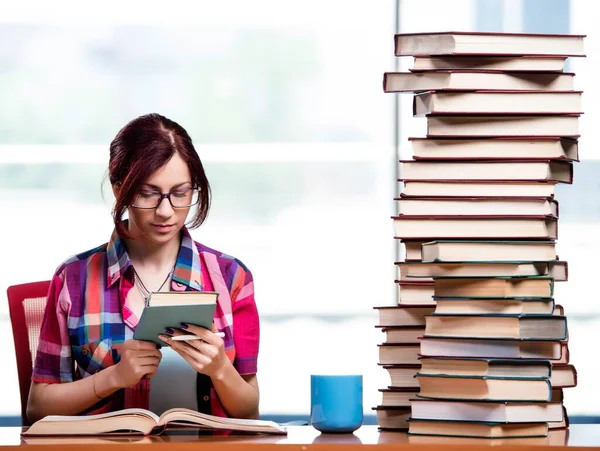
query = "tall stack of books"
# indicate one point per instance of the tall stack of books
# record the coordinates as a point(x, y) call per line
point(477, 345)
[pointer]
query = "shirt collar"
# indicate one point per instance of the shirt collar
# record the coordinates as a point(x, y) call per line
point(118, 259)
point(187, 272)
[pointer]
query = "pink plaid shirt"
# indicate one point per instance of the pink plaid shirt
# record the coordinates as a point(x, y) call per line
point(87, 317)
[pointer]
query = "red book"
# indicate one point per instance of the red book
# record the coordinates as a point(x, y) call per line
point(497, 170)
point(498, 148)
point(486, 43)
point(418, 227)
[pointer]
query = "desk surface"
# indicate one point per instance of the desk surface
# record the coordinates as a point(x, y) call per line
point(299, 439)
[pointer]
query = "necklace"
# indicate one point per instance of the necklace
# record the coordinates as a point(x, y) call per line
point(142, 288)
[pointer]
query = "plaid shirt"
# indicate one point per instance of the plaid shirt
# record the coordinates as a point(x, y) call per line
point(87, 317)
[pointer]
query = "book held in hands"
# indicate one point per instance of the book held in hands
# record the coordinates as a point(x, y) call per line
point(171, 308)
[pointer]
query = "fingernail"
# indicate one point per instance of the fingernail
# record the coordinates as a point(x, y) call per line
point(184, 325)
point(169, 331)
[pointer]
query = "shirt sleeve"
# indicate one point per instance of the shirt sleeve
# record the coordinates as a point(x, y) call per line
point(246, 325)
point(53, 362)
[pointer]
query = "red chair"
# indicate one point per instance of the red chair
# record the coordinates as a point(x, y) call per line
point(26, 304)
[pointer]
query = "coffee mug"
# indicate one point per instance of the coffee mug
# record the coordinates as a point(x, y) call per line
point(336, 402)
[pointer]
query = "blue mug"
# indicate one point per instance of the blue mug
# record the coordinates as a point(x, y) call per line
point(336, 403)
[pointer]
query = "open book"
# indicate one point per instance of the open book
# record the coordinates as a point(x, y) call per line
point(145, 422)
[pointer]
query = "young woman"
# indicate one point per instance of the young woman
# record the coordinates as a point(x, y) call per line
point(87, 361)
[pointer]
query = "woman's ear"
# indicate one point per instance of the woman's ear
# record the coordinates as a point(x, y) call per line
point(115, 189)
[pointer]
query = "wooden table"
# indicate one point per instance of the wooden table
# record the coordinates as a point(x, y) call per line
point(300, 438)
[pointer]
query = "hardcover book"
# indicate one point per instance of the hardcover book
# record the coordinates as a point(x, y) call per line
point(171, 308)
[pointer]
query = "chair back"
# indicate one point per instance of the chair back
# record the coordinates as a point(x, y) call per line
point(26, 304)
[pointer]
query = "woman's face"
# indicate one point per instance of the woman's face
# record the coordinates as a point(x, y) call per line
point(162, 224)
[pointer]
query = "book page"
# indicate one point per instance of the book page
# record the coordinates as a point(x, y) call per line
point(118, 413)
point(178, 415)
point(163, 298)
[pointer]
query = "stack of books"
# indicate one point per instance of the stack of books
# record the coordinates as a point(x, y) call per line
point(477, 345)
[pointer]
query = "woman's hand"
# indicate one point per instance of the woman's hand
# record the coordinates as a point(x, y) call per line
point(206, 356)
point(138, 359)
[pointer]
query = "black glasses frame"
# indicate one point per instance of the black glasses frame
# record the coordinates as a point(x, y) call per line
point(168, 196)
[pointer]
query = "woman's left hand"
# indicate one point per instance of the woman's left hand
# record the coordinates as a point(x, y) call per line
point(206, 356)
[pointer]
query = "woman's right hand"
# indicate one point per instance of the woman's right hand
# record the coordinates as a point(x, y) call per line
point(138, 359)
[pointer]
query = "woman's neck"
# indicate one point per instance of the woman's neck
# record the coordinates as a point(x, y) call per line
point(151, 256)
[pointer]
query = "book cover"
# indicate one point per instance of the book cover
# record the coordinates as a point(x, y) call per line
point(179, 309)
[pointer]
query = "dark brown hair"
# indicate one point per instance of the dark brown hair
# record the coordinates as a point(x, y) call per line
point(142, 147)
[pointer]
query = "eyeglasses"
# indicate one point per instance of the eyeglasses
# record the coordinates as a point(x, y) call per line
point(180, 198)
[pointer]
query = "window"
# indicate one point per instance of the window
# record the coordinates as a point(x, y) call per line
point(285, 105)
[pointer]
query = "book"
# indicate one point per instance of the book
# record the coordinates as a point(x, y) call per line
point(83, 442)
point(415, 292)
point(478, 429)
point(496, 287)
point(499, 63)
point(493, 348)
point(487, 188)
point(487, 44)
point(551, 439)
point(563, 376)
point(412, 249)
point(562, 424)
point(473, 306)
point(558, 436)
point(476, 227)
point(476, 80)
point(410, 270)
point(483, 388)
point(504, 126)
point(399, 354)
point(488, 251)
point(485, 367)
point(403, 334)
point(171, 308)
point(406, 315)
point(495, 206)
point(499, 148)
point(397, 397)
point(145, 422)
point(557, 395)
point(497, 102)
point(556, 171)
point(499, 412)
point(392, 417)
point(402, 375)
point(517, 327)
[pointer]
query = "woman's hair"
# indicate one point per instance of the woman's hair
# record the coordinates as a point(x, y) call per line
point(142, 147)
